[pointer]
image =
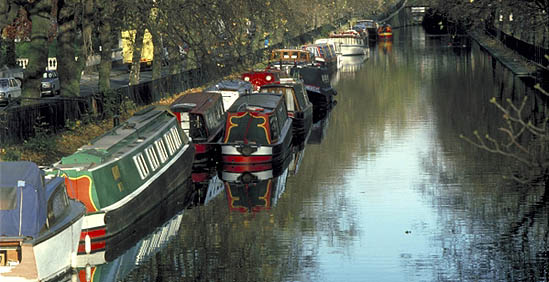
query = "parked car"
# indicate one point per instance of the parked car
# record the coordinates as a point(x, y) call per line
point(50, 84)
point(10, 88)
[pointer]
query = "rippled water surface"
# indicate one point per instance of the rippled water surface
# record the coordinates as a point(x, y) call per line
point(388, 192)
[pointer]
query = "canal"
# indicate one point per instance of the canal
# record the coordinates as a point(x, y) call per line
point(385, 191)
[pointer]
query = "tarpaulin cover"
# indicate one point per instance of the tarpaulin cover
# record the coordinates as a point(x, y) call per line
point(241, 86)
point(34, 199)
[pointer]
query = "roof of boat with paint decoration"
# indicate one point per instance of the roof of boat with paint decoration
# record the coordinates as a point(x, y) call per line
point(267, 101)
point(202, 100)
point(143, 125)
point(26, 178)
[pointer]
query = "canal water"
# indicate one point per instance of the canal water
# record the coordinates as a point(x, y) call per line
point(386, 190)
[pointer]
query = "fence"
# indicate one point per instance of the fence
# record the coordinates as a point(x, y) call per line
point(22, 122)
point(532, 52)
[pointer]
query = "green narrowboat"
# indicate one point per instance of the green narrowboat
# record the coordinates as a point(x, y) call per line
point(121, 175)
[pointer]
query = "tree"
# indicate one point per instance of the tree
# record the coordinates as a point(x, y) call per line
point(39, 15)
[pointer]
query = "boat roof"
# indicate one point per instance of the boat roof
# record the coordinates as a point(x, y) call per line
point(268, 102)
point(231, 85)
point(24, 178)
point(143, 125)
point(288, 50)
point(202, 100)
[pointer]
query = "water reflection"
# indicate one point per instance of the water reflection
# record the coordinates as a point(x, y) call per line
point(389, 192)
point(254, 195)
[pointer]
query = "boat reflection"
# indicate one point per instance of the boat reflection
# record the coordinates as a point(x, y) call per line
point(207, 186)
point(255, 195)
point(299, 153)
point(318, 131)
point(120, 253)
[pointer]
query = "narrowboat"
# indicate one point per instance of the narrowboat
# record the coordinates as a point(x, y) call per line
point(258, 133)
point(348, 43)
point(121, 175)
point(202, 118)
point(39, 224)
point(285, 59)
point(324, 54)
point(300, 109)
point(371, 27)
point(385, 31)
point(259, 78)
point(230, 90)
point(257, 195)
point(363, 32)
point(116, 245)
point(319, 89)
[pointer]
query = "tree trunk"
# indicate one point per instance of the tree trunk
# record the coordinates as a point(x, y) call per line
point(136, 55)
point(39, 15)
point(158, 55)
point(105, 38)
point(8, 13)
point(175, 59)
point(68, 68)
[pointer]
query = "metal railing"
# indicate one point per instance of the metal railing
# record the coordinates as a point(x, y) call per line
point(20, 123)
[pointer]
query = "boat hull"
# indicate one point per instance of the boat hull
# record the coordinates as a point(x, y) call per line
point(352, 50)
point(37, 258)
point(111, 220)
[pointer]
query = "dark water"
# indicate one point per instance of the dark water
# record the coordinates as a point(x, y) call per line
point(387, 191)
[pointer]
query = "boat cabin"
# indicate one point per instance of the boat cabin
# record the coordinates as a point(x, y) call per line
point(230, 90)
point(200, 114)
point(293, 91)
point(300, 109)
point(323, 53)
point(36, 218)
point(202, 118)
point(257, 130)
point(290, 56)
point(262, 77)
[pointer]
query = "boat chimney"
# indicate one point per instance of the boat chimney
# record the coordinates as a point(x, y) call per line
point(20, 184)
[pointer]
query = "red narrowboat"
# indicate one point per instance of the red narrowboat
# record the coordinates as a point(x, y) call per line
point(258, 133)
point(259, 78)
point(202, 118)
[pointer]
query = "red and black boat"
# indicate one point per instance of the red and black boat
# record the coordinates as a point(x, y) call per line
point(202, 118)
point(300, 109)
point(258, 133)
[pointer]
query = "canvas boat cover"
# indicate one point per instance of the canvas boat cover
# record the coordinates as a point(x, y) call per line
point(243, 87)
point(34, 199)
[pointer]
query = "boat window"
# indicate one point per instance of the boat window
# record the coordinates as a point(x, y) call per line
point(282, 115)
point(151, 156)
point(176, 137)
point(161, 149)
point(273, 123)
point(247, 128)
point(8, 198)
point(169, 141)
point(141, 166)
point(185, 122)
point(198, 127)
point(57, 204)
point(300, 95)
